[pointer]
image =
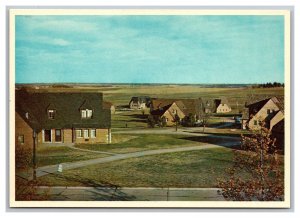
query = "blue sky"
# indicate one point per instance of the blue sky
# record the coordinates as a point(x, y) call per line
point(149, 49)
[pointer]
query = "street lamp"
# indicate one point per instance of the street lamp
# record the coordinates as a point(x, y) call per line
point(34, 154)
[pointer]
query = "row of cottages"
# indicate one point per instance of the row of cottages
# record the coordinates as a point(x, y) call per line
point(268, 113)
point(54, 118)
point(217, 106)
point(139, 102)
point(170, 108)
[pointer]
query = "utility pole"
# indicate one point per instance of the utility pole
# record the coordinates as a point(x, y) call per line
point(34, 154)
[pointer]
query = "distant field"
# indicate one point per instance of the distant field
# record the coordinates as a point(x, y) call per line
point(121, 94)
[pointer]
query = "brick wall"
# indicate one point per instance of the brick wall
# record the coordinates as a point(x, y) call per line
point(67, 135)
point(23, 129)
point(101, 137)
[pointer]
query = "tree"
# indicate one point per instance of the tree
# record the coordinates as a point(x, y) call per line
point(177, 121)
point(190, 120)
point(256, 173)
point(26, 187)
point(162, 121)
point(204, 117)
point(151, 121)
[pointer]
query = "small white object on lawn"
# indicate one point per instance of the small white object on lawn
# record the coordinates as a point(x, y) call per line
point(60, 168)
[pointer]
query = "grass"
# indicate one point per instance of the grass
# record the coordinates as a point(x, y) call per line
point(143, 142)
point(129, 119)
point(47, 155)
point(181, 169)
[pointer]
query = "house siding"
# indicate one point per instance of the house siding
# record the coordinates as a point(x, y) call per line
point(276, 119)
point(101, 137)
point(169, 114)
point(223, 108)
point(22, 128)
point(262, 114)
point(67, 135)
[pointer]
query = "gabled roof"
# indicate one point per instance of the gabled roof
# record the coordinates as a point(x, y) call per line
point(256, 106)
point(162, 110)
point(188, 106)
point(222, 100)
point(67, 109)
point(141, 99)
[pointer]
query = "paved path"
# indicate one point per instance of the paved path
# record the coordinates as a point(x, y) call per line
point(182, 131)
point(41, 171)
point(131, 194)
point(93, 151)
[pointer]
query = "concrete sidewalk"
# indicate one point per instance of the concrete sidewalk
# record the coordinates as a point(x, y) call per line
point(131, 194)
point(41, 171)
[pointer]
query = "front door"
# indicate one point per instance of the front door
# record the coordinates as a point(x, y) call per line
point(58, 135)
point(47, 135)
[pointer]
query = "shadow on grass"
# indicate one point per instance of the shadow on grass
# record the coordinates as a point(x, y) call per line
point(224, 125)
point(102, 191)
point(212, 140)
point(237, 135)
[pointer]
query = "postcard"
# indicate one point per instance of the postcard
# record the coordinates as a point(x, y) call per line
point(149, 108)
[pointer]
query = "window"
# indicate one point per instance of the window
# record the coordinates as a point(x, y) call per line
point(21, 139)
point(78, 133)
point(93, 133)
point(47, 135)
point(89, 113)
point(86, 133)
point(86, 113)
point(51, 114)
point(58, 135)
point(255, 122)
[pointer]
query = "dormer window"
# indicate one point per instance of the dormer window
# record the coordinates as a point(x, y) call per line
point(51, 114)
point(86, 114)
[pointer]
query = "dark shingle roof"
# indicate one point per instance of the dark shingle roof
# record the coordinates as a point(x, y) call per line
point(67, 109)
point(256, 106)
point(188, 106)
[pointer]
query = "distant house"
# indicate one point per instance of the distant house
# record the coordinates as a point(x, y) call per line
point(221, 106)
point(187, 107)
point(167, 110)
point(209, 106)
point(139, 102)
point(267, 113)
point(109, 106)
point(60, 118)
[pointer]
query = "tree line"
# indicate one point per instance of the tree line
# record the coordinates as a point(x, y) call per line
point(268, 85)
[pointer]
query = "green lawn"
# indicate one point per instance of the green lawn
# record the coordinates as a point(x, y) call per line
point(47, 155)
point(143, 142)
point(181, 169)
point(129, 119)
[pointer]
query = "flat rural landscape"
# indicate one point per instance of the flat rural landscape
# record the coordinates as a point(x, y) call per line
point(170, 105)
point(140, 155)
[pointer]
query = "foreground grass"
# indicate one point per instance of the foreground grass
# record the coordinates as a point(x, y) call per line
point(47, 155)
point(143, 142)
point(180, 169)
